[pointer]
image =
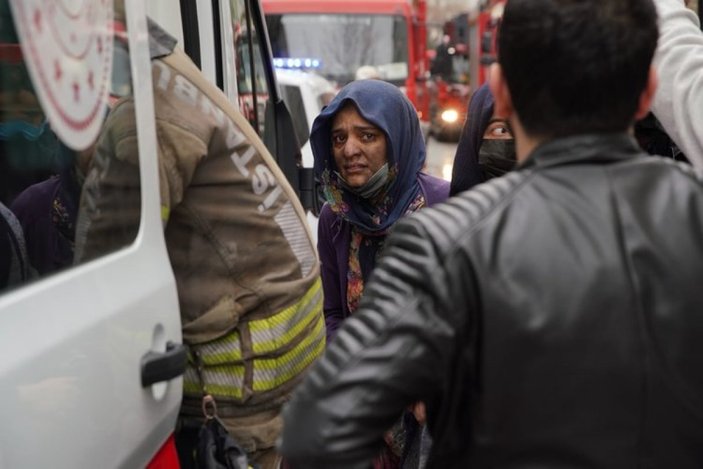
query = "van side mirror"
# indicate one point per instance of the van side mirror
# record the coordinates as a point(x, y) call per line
point(311, 196)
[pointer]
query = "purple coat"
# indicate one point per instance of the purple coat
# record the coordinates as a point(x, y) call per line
point(334, 237)
point(47, 212)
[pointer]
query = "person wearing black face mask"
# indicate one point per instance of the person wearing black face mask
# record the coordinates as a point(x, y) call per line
point(486, 147)
point(496, 156)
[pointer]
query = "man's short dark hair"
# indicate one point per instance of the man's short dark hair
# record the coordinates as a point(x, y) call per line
point(577, 66)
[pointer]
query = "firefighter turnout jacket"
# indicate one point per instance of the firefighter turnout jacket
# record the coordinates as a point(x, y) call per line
point(245, 266)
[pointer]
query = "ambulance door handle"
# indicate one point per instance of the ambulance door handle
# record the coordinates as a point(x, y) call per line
point(157, 367)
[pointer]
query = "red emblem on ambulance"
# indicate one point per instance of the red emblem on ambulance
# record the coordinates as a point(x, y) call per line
point(67, 45)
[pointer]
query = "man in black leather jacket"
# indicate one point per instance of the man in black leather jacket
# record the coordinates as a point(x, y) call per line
point(551, 318)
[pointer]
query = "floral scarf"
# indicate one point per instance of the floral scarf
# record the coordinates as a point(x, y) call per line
point(355, 273)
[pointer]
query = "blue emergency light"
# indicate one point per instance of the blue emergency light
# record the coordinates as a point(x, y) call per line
point(296, 62)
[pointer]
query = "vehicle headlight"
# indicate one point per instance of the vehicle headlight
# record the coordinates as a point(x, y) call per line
point(450, 116)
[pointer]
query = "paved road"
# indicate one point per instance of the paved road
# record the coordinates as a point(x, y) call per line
point(440, 157)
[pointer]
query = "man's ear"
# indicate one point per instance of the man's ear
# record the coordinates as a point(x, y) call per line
point(502, 101)
point(647, 94)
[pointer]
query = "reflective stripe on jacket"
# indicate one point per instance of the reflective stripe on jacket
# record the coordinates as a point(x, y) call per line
point(278, 349)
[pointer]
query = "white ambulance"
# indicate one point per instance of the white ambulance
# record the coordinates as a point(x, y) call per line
point(91, 353)
point(305, 94)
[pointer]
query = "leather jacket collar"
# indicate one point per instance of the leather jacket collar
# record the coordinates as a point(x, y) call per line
point(604, 148)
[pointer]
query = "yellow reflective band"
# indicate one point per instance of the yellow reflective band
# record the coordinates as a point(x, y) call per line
point(191, 383)
point(220, 381)
point(301, 326)
point(273, 333)
point(273, 372)
point(222, 390)
point(191, 388)
point(165, 213)
point(268, 334)
point(228, 381)
point(287, 313)
point(225, 350)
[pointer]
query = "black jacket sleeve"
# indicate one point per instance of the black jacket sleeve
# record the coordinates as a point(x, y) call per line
point(396, 349)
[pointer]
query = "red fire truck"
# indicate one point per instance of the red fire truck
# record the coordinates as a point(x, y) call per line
point(483, 33)
point(449, 79)
point(460, 65)
point(345, 40)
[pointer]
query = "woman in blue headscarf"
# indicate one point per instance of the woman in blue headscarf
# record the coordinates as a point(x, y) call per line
point(486, 147)
point(369, 152)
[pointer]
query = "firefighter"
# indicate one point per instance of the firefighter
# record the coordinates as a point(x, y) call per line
point(245, 266)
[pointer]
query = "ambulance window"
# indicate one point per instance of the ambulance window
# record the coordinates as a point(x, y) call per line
point(66, 195)
point(252, 88)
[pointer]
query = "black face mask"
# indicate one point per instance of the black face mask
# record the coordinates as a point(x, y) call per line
point(496, 157)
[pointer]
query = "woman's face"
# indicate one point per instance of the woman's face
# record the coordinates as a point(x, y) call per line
point(358, 146)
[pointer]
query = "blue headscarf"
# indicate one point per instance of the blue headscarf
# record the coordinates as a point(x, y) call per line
point(466, 172)
point(386, 107)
